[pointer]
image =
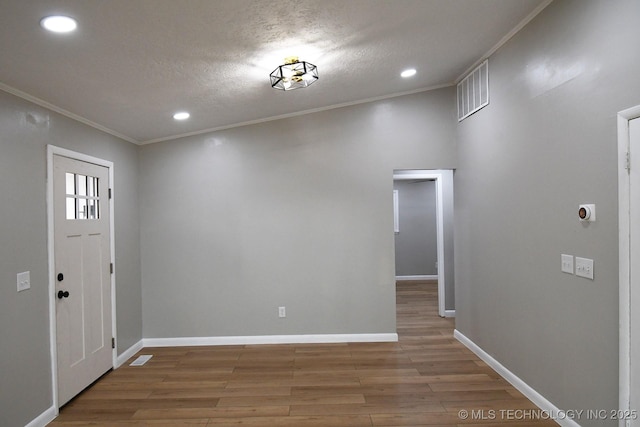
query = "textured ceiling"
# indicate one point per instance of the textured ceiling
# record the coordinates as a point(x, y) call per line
point(132, 63)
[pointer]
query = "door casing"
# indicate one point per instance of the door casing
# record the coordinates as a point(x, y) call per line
point(624, 240)
point(437, 176)
point(51, 151)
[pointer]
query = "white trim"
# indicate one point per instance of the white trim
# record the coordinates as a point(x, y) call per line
point(438, 176)
point(418, 277)
point(44, 418)
point(296, 114)
point(128, 353)
point(506, 38)
point(51, 151)
point(396, 212)
point(449, 313)
point(539, 400)
point(269, 339)
point(20, 94)
point(52, 307)
point(624, 251)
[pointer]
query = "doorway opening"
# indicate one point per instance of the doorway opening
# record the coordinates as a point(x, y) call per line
point(629, 262)
point(424, 250)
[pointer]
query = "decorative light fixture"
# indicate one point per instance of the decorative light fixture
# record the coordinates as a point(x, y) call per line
point(293, 74)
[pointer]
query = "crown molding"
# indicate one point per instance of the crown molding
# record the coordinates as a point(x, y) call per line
point(515, 30)
point(20, 94)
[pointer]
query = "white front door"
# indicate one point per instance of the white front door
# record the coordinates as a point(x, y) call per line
point(634, 303)
point(82, 274)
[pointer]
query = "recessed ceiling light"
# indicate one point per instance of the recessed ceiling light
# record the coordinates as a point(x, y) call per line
point(182, 115)
point(408, 73)
point(59, 24)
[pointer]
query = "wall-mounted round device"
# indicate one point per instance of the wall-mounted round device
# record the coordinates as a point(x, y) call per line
point(587, 212)
point(584, 213)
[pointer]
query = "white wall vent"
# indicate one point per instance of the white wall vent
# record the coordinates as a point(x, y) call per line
point(473, 91)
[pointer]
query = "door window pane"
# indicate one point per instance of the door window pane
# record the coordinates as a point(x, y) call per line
point(82, 209)
point(82, 185)
point(71, 208)
point(83, 199)
point(71, 183)
point(93, 209)
point(92, 183)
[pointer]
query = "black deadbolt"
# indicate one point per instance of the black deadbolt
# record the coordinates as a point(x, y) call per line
point(60, 277)
point(63, 294)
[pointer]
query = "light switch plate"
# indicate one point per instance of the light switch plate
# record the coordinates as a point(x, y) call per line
point(566, 263)
point(584, 267)
point(24, 281)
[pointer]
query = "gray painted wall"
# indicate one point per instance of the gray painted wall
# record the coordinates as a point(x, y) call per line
point(295, 212)
point(238, 222)
point(26, 129)
point(546, 143)
point(417, 242)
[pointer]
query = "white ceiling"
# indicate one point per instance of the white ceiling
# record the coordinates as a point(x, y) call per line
point(132, 63)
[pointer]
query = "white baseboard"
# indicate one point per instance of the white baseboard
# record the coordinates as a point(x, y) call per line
point(121, 359)
point(449, 313)
point(554, 412)
point(45, 418)
point(418, 277)
point(269, 339)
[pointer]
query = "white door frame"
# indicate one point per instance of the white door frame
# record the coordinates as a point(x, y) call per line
point(624, 117)
point(437, 176)
point(51, 151)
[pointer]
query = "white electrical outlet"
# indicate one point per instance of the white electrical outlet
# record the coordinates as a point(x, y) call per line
point(584, 267)
point(24, 281)
point(566, 263)
point(282, 312)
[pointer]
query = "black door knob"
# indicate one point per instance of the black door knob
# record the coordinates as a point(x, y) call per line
point(63, 294)
point(60, 277)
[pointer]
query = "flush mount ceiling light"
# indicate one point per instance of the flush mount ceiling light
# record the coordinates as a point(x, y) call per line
point(181, 115)
point(408, 73)
point(59, 24)
point(293, 74)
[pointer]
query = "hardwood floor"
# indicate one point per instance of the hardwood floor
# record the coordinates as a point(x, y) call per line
point(427, 378)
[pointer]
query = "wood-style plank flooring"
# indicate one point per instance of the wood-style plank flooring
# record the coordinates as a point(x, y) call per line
point(427, 378)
